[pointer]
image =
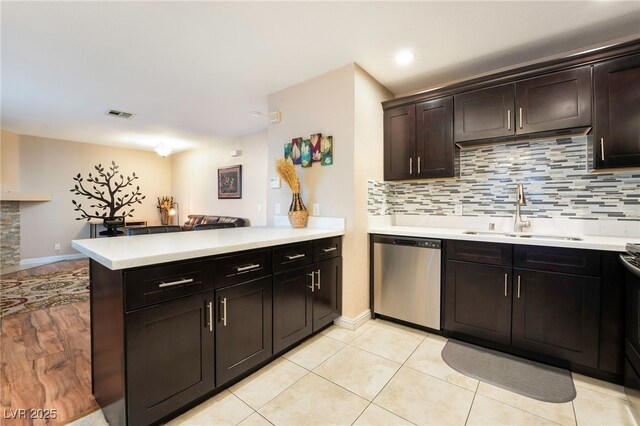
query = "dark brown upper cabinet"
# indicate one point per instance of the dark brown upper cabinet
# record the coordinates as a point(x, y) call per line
point(434, 138)
point(617, 112)
point(557, 101)
point(484, 114)
point(399, 142)
point(551, 104)
point(418, 140)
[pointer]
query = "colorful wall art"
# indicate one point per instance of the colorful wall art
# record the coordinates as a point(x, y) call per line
point(287, 151)
point(316, 149)
point(326, 149)
point(316, 155)
point(306, 153)
point(296, 150)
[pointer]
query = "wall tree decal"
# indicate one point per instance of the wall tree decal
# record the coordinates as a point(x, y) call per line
point(107, 191)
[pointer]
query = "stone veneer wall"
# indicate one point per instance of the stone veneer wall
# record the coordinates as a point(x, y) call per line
point(9, 234)
point(555, 178)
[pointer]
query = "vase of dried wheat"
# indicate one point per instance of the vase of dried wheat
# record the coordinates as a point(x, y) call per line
point(298, 213)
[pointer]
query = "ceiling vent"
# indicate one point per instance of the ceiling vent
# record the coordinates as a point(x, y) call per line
point(120, 114)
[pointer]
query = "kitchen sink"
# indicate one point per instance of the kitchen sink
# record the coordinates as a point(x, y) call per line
point(550, 237)
point(531, 236)
point(494, 233)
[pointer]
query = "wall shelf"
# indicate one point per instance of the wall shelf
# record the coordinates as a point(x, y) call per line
point(20, 196)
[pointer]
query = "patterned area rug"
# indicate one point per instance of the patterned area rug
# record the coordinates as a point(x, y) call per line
point(43, 291)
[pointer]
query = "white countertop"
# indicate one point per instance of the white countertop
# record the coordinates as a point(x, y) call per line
point(140, 250)
point(588, 242)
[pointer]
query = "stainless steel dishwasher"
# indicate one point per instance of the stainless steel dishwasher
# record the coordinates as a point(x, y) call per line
point(406, 279)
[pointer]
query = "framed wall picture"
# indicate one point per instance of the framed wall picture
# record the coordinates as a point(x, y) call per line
point(230, 182)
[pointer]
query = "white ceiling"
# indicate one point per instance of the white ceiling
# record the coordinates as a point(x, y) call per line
point(192, 71)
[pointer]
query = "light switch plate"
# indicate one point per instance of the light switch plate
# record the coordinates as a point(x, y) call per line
point(274, 182)
point(316, 209)
point(458, 210)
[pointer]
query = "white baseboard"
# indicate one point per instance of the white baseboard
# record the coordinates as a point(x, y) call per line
point(51, 259)
point(353, 323)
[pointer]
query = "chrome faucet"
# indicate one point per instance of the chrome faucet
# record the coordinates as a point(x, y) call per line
point(518, 223)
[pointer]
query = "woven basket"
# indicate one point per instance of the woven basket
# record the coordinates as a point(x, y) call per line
point(298, 219)
point(298, 213)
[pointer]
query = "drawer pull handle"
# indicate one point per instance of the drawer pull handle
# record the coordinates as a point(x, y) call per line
point(518, 286)
point(248, 267)
point(419, 161)
point(508, 119)
point(224, 311)
point(172, 283)
point(313, 283)
point(210, 316)
point(295, 256)
point(602, 149)
point(505, 283)
point(328, 249)
point(410, 165)
point(318, 283)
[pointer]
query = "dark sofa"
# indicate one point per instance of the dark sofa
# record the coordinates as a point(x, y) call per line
point(197, 222)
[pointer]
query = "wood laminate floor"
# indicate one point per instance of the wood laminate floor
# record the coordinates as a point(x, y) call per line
point(45, 361)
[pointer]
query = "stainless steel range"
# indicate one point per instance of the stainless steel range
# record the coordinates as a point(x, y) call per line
point(631, 262)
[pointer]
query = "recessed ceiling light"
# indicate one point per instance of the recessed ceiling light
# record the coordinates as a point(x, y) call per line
point(255, 114)
point(404, 57)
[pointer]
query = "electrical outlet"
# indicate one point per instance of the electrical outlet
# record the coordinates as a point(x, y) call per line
point(277, 208)
point(316, 209)
point(458, 210)
point(56, 246)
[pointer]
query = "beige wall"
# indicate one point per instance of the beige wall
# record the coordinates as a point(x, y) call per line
point(344, 103)
point(9, 160)
point(195, 179)
point(49, 165)
point(368, 164)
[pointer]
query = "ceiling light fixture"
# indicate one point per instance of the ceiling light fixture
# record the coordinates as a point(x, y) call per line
point(162, 150)
point(404, 57)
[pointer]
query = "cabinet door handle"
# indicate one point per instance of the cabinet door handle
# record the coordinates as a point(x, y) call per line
point(521, 118)
point(419, 163)
point(508, 119)
point(295, 256)
point(318, 283)
point(248, 267)
point(518, 286)
point(172, 283)
point(224, 311)
point(328, 249)
point(410, 165)
point(602, 149)
point(313, 281)
point(506, 276)
point(210, 316)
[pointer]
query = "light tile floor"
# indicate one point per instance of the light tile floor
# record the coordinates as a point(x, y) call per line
point(387, 374)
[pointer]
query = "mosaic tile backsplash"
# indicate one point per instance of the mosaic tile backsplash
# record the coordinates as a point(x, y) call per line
point(554, 175)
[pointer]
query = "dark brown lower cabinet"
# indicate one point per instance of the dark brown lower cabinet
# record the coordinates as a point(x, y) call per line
point(478, 300)
point(292, 307)
point(557, 315)
point(328, 292)
point(305, 300)
point(169, 355)
point(243, 328)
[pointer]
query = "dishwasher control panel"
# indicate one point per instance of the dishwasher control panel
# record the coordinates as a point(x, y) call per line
point(428, 244)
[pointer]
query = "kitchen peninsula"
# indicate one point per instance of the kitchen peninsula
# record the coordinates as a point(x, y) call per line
point(178, 317)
